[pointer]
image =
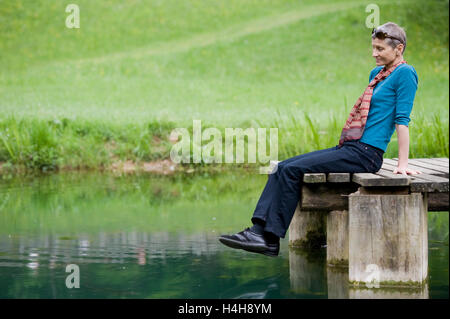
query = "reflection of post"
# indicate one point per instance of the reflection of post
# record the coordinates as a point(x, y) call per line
point(141, 256)
point(307, 275)
point(389, 293)
point(337, 281)
point(307, 229)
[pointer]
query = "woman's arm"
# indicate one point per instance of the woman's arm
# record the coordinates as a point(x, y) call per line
point(403, 151)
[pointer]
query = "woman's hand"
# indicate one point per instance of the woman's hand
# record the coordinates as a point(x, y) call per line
point(405, 171)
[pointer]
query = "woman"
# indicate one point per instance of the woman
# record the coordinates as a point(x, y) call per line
point(384, 106)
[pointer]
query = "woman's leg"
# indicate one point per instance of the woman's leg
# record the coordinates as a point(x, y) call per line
point(272, 186)
point(347, 159)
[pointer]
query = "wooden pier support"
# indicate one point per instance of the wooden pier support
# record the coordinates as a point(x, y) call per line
point(307, 229)
point(337, 238)
point(388, 240)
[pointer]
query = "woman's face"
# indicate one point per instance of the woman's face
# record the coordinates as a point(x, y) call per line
point(383, 53)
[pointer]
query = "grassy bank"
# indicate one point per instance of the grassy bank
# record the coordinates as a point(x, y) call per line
point(113, 90)
point(66, 144)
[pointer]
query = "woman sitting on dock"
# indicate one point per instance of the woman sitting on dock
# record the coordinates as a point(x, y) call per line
point(384, 106)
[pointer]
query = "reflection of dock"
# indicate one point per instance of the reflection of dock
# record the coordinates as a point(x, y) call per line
point(121, 247)
point(307, 274)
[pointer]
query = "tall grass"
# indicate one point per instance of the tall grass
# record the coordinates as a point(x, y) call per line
point(48, 145)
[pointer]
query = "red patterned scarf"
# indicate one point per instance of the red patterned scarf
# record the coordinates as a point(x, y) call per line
point(356, 122)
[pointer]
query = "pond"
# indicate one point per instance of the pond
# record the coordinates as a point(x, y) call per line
point(141, 236)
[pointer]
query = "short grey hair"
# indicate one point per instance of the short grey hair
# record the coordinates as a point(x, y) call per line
point(394, 30)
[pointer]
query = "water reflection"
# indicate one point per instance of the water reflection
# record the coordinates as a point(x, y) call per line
point(389, 293)
point(338, 288)
point(307, 271)
point(142, 237)
point(122, 247)
point(337, 280)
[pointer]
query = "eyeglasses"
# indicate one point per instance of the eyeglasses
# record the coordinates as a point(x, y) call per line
point(383, 35)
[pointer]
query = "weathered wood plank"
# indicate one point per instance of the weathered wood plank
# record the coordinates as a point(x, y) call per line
point(419, 185)
point(440, 159)
point(435, 183)
point(384, 190)
point(367, 179)
point(442, 170)
point(432, 161)
point(317, 197)
point(389, 164)
point(438, 202)
point(315, 178)
point(388, 173)
point(405, 180)
point(338, 177)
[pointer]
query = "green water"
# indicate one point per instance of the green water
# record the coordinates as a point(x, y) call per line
point(156, 237)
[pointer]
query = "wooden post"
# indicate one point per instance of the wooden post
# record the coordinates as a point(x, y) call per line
point(307, 229)
point(337, 238)
point(388, 240)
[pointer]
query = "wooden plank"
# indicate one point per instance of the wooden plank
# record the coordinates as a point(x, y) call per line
point(421, 186)
point(434, 183)
point(338, 177)
point(315, 178)
point(438, 202)
point(368, 180)
point(432, 161)
point(389, 164)
point(401, 180)
point(442, 159)
point(442, 170)
point(326, 196)
point(423, 182)
point(384, 190)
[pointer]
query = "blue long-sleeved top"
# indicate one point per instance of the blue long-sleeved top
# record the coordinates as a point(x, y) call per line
point(391, 104)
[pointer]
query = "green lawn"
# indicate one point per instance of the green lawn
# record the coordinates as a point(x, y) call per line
point(136, 69)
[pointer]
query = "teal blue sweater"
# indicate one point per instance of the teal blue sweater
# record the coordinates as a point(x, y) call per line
point(391, 104)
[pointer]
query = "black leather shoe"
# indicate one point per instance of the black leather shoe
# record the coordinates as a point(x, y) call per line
point(251, 242)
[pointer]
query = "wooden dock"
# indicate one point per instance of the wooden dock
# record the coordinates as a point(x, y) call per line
point(374, 224)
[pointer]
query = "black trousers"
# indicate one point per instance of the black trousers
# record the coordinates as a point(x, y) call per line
point(278, 201)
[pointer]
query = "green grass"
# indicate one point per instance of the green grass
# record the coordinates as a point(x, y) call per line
point(85, 97)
